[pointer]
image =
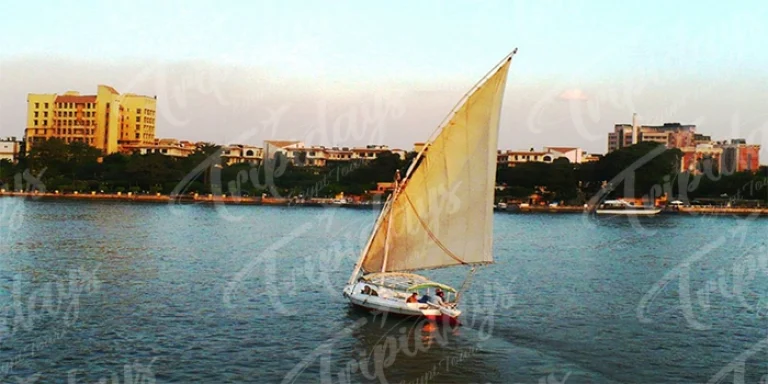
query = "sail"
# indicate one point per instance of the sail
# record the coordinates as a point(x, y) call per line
point(443, 215)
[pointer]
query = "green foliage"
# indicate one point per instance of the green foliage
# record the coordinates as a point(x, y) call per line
point(639, 170)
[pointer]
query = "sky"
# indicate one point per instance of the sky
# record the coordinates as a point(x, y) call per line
point(359, 72)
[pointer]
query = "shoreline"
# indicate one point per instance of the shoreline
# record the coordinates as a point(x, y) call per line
point(328, 202)
point(184, 199)
point(687, 211)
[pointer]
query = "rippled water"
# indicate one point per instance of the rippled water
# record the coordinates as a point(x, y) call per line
point(124, 292)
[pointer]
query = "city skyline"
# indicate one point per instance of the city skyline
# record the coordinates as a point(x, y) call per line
point(582, 68)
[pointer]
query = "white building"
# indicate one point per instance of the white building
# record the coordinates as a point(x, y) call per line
point(512, 157)
point(573, 154)
point(9, 149)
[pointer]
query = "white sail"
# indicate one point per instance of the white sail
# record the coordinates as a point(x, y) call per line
point(443, 214)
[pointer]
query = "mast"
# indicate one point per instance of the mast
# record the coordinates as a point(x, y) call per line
point(389, 223)
point(358, 266)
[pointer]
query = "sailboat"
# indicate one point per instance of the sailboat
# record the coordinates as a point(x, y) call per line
point(440, 214)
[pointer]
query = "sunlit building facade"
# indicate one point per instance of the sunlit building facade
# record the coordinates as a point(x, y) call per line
point(105, 120)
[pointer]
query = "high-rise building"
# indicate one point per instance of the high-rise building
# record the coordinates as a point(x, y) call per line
point(105, 120)
point(669, 134)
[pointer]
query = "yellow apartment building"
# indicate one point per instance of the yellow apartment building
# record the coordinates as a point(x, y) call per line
point(106, 120)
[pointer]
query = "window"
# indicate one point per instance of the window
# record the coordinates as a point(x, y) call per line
point(138, 119)
point(70, 114)
point(45, 114)
point(37, 113)
point(37, 105)
point(138, 110)
point(137, 136)
point(45, 123)
point(35, 123)
point(249, 153)
point(46, 105)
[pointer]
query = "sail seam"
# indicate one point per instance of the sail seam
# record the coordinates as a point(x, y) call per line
point(429, 232)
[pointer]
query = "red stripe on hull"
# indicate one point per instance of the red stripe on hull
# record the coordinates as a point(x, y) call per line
point(442, 319)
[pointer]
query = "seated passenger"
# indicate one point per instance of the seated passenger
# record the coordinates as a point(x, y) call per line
point(366, 290)
point(439, 299)
point(413, 298)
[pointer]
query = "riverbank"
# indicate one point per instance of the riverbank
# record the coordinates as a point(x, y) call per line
point(693, 210)
point(326, 202)
point(184, 199)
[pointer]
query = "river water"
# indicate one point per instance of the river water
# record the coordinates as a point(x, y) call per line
point(155, 293)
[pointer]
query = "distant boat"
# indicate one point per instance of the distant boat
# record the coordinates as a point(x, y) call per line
point(621, 207)
point(411, 235)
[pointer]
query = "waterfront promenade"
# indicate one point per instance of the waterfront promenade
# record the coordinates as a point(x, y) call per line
point(319, 202)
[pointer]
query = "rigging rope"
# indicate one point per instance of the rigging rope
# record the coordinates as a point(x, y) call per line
point(465, 284)
point(429, 232)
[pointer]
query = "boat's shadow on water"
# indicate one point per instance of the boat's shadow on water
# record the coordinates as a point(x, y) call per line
point(411, 350)
point(392, 348)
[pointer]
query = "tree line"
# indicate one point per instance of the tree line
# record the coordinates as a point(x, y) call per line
point(644, 170)
point(641, 170)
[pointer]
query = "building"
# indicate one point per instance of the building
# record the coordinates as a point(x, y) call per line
point(241, 153)
point(9, 149)
point(591, 157)
point(105, 120)
point(673, 135)
point(729, 157)
point(694, 158)
point(511, 158)
point(168, 147)
point(573, 154)
point(319, 156)
point(738, 156)
point(273, 147)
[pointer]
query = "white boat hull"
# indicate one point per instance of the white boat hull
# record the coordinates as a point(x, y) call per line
point(629, 212)
point(394, 302)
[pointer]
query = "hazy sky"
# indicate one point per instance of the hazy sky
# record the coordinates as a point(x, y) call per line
point(359, 72)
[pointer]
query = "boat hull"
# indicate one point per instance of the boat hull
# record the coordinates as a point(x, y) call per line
point(393, 302)
point(629, 212)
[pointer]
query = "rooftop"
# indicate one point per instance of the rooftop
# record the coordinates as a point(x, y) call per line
point(75, 99)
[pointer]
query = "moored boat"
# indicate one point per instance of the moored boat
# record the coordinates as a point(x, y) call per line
point(621, 207)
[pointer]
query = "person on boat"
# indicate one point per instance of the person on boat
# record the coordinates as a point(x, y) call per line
point(368, 291)
point(413, 298)
point(439, 298)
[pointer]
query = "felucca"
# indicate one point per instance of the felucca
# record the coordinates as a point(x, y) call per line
point(440, 214)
